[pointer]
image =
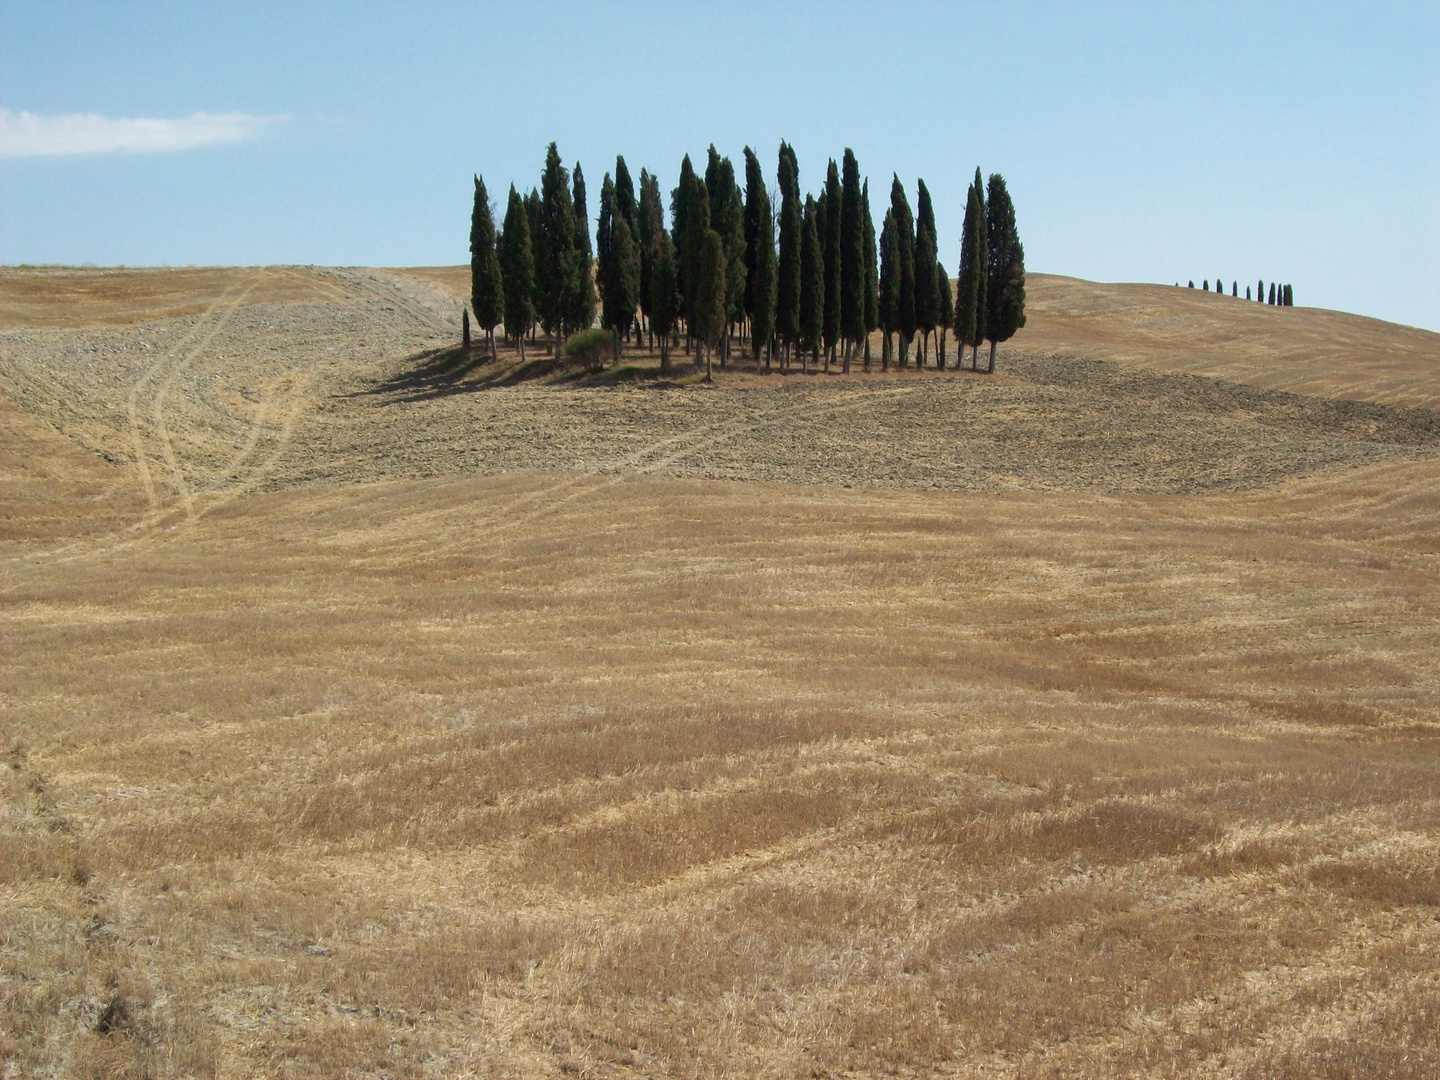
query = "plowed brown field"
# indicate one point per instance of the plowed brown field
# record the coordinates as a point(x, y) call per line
point(368, 709)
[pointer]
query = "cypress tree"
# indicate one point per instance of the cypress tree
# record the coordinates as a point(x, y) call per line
point(761, 270)
point(812, 285)
point(888, 285)
point(872, 271)
point(727, 217)
point(651, 225)
point(1206, 286)
point(580, 310)
point(945, 313)
point(1219, 286)
point(680, 230)
point(558, 261)
point(1272, 294)
point(1260, 291)
point(697, 224)
point(1247, 292)
point(834, 208)
point(974, 275)
point(486, 294)
point(604, 265)
point(517, 264)
point(625, 254)
point(710, 313)
point(1005, 306)
point(1235, 289)
point(926, 255)
point(905, 281)
point(625, 204)
point(787, 286)
point(1289, 296)
point(664, 294)
point(852, 257)
point(1192, 284)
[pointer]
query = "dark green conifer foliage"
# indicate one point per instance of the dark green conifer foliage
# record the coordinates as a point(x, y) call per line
point(625, 255)
point(888, 286)
point(1005, 307)
point(945, 314)
point(926, 255)
point(680, 229)
point(625, 204)
point(1206, 286)
point(872, 271)
point(1192, 284)
point(486, 293)
point(517, 270)
point(905, 282)
point(710, 313)
point(664, 294)
point(651, 225)
point(580, 282)
point(1272, 294)
point(761, 270)
point(1260, 291)
point(1289, 296)
point(852, 256)
point(812, 285)
point(727, 217)
point(787, 288)
point(604, 224)
point(1235, 289)
point(974, 274)
point(697, 224)
point(830, 237)
point(558, 260)
point(1247, 292)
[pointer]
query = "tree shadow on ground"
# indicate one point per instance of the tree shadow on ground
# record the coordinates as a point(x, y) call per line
point(436, 373)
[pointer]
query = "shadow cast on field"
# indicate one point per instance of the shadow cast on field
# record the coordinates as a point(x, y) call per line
point(437, 373)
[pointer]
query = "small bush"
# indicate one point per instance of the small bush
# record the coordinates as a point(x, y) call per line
point(590, 347)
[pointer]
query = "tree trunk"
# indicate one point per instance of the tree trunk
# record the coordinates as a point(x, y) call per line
point(886, 348)
point(849, 349)
point(867, 351)
point(709, 377)
point(521, 339)
point(493, 354)
point(992, 357)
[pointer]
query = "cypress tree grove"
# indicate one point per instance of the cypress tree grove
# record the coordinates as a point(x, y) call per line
point(787, 286)
point(557, 261)
point(651, 226)
point(486, 296)
point(580, 281)
point(974, 264)
point(926, 255)
point(812, 285)
point(872, 271)
point(1005, 306)
point(830, 238)
point(517, 270)
point(852, 257)
point(905, 281)
point(664, 294)
point(888, 286)
point(710, 314)
point(761, 271)
point(945, 309)
point(1289, 296)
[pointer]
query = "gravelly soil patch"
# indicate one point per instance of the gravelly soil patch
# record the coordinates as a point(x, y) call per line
point(285, 394)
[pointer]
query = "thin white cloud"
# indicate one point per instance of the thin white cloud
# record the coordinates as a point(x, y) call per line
point(25, 134)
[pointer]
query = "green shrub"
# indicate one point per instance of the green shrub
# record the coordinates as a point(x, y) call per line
point(590, 347)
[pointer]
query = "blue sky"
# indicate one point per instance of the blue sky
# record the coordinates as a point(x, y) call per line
point(1141, 142)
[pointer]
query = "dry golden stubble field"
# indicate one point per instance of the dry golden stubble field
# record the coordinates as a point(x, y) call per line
point(541, 773)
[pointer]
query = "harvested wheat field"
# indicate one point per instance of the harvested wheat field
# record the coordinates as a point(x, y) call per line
point(374, 710)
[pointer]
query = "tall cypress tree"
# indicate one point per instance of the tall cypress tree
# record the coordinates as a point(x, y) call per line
point(651, 224)
point(625, 255)
point(1005, 306)
point(557, 262)
point(625, 204)
point(1272, 294)
point(760, 266)
point(974, 261)
point(944, 310)
point(711, 291)
point(664, 298)
point(834, 210)
point(888, 287)
point(787, 289)
point(852, 257)
point(486, 295)
point(613, 313)
point(517, 266)
point(905, 257)
point(580, 308)
point(697, 224)
point(872, 272)
point(680, 230)
point(812, 285)
point(727, 217)
point(1289, 296)
point(926, 255)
